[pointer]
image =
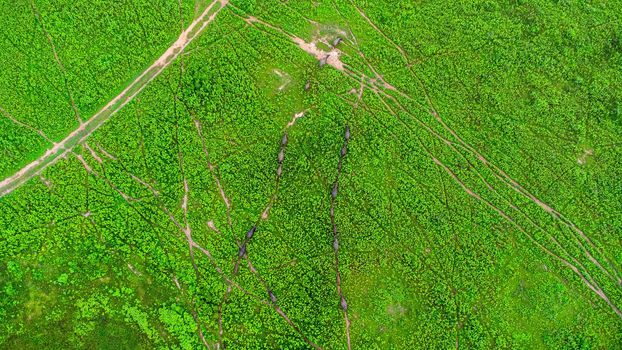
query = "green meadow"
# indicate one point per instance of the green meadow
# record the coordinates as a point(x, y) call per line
point(312, 174)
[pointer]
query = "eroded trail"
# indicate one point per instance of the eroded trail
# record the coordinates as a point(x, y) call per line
point(87, 128)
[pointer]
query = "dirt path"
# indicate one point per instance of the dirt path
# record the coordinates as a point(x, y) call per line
point(24, 125)
point(595, 288)
point(61, 67)
point(87, 128)
point(325, 57)
point(185, 228)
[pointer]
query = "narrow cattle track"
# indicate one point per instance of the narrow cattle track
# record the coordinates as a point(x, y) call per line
point(333, 198)
point(594, 287)
point(24, 125)
point(223, 195)
point(185, 230)
point(60, 64)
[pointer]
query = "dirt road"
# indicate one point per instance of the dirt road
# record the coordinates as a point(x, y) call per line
point(87, 128)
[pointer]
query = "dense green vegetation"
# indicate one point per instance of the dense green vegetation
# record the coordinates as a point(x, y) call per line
point(100, 46)
point(479, 204)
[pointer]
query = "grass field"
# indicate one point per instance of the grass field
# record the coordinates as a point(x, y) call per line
point(338, 174)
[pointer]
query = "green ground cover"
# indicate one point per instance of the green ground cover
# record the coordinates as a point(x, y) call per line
point(478, 203)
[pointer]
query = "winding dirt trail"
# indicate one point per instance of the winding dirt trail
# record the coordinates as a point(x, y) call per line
point(87, 128)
